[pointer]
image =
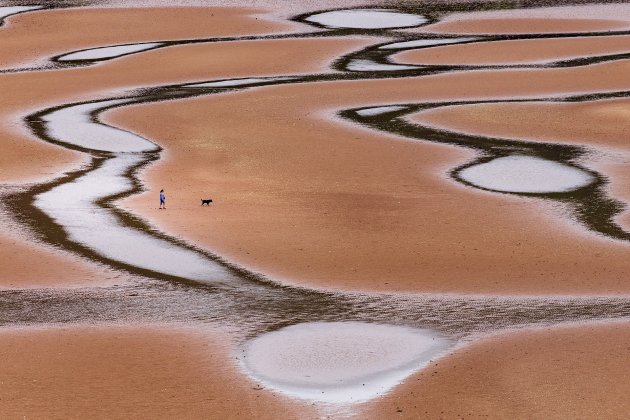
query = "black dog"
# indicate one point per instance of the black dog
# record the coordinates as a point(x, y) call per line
point(207, 202)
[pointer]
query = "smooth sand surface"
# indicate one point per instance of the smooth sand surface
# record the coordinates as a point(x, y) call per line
point(602, 126)
point(29, 264)
point(577, 372)
point(134, 371)
point(311, 201)
point(308, 200)
point(517, 51)
point(22, 158)
point(565, 19)
point(26, 159)
point(517, 25)
point(33, 37)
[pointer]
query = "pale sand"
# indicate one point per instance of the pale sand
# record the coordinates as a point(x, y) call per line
point(517, 51)
point(577, 372)
point(130, 372)
point(31, 37)
point(310, 201)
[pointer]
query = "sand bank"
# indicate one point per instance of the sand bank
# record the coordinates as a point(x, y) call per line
point(26, 159)
point(575, 18)
point(534, 51)
point(130, 371)
point(309, 200)
point(602, 124)
point(556, 373)
point(28, 38)
point(22, 160)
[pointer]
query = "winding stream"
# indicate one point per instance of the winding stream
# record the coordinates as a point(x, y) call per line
point(176, 282)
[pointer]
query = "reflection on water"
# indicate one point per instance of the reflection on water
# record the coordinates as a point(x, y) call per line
point(526, 174)
point(369, 65)
point(419, 43)
point(104, 53)
point(75, 125)
point(218, 294)
point(366, 19)
point(339, 362)
point(378, 110)
point(246, 82)
point(12, 10)
point(73, 206)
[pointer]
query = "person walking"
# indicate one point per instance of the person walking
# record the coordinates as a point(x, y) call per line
point(162, 200)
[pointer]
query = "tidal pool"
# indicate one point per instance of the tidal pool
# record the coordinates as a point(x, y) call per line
point(103, 53)
point(73, 206)
point(366, 19)
point(339, 362)
point(370, 112)
point(12, 10)
point(250, 81)
point(75, 125)
point(526, 174)
point(419, 43)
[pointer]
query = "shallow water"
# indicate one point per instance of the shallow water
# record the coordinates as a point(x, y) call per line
point(102, 53)
point(369, 65)
point(526, 174)
point(370, 112)
point(249, 81)
point(291, 331)
point(11, 10)
point(73, 206)
point(419, 43)
point(366, 19)
point(339, 362)
point(74, 125)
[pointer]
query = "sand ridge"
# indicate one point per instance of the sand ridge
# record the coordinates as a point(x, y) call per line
point(312, 200)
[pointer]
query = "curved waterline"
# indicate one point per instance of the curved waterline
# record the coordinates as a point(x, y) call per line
point(587, 199)
point(236, 298)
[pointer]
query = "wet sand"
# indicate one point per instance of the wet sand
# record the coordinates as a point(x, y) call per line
point(130, 372)
point(555, 373)
point(29, 264)
point(22, 160)
point(26, 159)
point(310, 200)
point(566, 19)
point(517, 51)
point(392, 191)
point(27, 38)
point(602, 124)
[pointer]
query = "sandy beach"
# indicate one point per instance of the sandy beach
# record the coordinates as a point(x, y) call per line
point(332, 210)
point(326, 244)
point(555, 373)
point(130, 372)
